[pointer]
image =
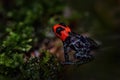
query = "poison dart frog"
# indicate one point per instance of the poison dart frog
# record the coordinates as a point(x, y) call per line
point(80, 44)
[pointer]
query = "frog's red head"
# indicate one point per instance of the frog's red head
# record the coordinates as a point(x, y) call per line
point(61, 30)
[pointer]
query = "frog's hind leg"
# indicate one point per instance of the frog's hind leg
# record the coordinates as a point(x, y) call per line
point(82, 58)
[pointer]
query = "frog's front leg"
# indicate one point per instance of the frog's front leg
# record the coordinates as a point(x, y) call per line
point(66, 50)
point(66, 55)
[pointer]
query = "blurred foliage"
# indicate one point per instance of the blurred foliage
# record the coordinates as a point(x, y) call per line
point(22, 24)
point(43, 68)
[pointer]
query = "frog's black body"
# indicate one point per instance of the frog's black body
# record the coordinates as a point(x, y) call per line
point(82, 47)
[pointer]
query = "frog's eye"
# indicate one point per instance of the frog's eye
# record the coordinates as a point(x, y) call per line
point(59, 29)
